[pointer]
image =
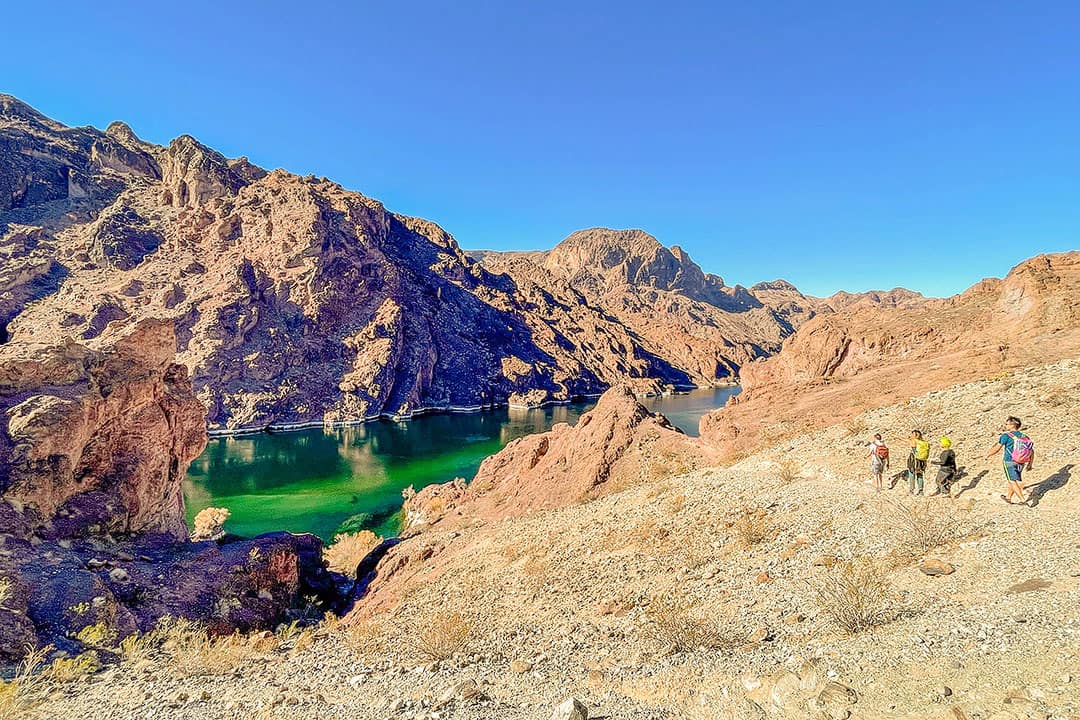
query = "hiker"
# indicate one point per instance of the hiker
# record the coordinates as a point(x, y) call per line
point(916, 463)
point(879, 460)
point(946, 463)
point(1018, 454)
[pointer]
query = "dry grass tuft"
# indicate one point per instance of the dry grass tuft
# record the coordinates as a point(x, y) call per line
point(66, 670)
point(752, 525)
point(855, 596)
point(26, 689)
point(139, 646)
point(672, 624)
point(788, 470)
point(366, 637)
point(921, 526)
point(349, 549)
point(444, 636)
point(194, 651)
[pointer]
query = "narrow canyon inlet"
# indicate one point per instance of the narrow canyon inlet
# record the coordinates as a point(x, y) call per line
point(327, 481)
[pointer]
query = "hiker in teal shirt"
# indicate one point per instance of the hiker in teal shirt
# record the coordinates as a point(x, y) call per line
point(1018, 454)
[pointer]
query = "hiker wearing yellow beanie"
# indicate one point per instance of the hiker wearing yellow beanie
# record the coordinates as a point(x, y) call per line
point(946, 463)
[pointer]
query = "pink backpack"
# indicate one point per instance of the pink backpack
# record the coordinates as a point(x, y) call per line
point(1022, 449)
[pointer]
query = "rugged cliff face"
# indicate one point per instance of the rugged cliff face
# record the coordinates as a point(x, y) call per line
point(875, 351)
point(97, 442)
point(296, 300)
point(94, 444)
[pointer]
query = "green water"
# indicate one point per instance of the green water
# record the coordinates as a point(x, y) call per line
point(325, 481)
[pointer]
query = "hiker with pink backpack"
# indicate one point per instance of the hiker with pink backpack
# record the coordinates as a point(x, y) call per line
point(1018, 455)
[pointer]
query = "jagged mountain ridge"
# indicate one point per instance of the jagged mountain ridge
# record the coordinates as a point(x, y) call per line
point(296, 300)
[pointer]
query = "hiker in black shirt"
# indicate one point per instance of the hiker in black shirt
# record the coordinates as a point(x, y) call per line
point(946, 463)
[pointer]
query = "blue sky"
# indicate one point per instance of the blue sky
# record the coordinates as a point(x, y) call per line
point(839, 145)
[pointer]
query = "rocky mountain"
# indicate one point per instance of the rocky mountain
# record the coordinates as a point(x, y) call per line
point(872, 351)
point(706, 328)
point(296, 301)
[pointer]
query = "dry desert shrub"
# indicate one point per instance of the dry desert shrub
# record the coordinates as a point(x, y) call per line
point(441, 637)
point(349, 549)
point(855, 596)
point(924, 415)
point(673, 624)
point(536, 567)
point(921, 526)
point(646, 533)
point(676, 503)
point(655, 490)
point(98, 635)
point(752, 525)
point(772, 434)
point(787, 470)
point(27, 687)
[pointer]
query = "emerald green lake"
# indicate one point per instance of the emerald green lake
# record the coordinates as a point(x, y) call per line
point(326, 481)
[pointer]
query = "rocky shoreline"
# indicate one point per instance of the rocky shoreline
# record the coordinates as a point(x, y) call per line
point(422, 412)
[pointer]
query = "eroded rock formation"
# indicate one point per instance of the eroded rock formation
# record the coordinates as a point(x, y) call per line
point(94, 444)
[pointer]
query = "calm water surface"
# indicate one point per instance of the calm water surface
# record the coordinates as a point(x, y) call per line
point(328, 481)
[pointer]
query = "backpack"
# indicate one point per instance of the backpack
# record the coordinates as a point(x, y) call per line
point(922, 450)
point(882, 452)
point(1023, 450)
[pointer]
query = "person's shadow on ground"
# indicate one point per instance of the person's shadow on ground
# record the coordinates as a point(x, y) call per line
point(961, 474)
point(1056, 481)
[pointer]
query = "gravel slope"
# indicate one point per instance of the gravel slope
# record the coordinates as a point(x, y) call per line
point(558, 601)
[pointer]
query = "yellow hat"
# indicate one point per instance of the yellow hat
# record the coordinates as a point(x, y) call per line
point(946, 442)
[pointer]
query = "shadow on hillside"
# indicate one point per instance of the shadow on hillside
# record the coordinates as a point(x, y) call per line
point(972, 484)
point(1056, 481)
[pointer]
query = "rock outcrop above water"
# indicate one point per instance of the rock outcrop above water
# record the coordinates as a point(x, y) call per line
point(94, 444)
point(867, 355)
point(616, 445)
point(296, 300)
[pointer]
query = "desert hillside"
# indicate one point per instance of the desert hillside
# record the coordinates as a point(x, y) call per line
point(782, 586)
point(868, 355)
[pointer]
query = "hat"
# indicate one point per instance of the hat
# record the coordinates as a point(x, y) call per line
point(946, 442)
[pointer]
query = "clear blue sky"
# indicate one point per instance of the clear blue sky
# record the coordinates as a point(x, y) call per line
point(836, 144)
